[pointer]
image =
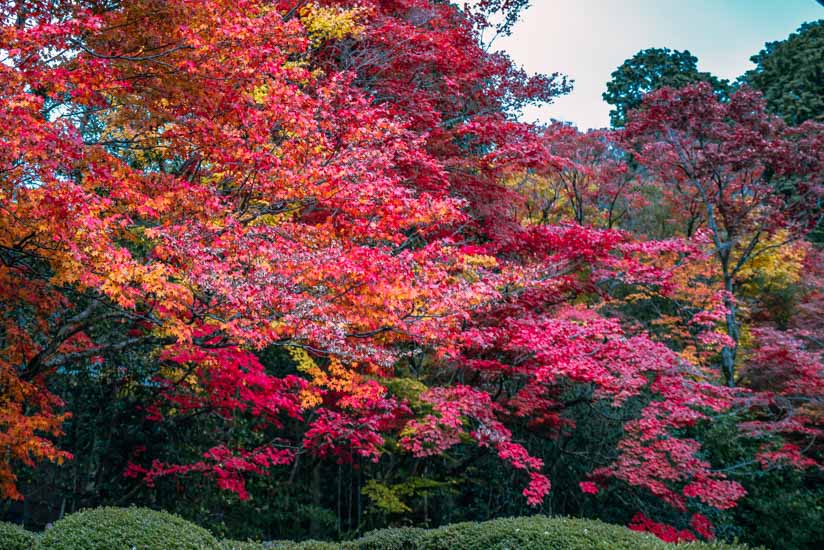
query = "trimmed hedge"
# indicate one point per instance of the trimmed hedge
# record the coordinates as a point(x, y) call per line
point(14, 537)
point(126, 529)
point(279, 545)
point(392, 539)
point(143, 529)
point(239, 545)
point(533, 533)
point(538, 532)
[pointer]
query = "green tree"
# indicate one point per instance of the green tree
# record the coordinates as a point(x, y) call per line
point(649, 70)
point(790, 74)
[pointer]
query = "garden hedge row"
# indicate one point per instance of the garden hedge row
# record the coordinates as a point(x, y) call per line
point(142, 529)
point(537, 532)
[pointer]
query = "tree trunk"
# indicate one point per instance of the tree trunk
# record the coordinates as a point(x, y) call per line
point(317, 499)
point(729, 353)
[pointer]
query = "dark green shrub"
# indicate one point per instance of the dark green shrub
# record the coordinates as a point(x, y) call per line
point(278, 545)
point(126, 529)
point(14, 537)
point(387, 539)
point(304, 545)
point(241, 545)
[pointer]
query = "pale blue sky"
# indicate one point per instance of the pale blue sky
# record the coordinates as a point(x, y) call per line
point(588, 39)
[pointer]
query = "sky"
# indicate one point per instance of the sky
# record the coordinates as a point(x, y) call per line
point(588, 39)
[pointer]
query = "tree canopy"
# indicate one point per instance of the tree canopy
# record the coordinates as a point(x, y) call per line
point(649, 70)
point(790, 74)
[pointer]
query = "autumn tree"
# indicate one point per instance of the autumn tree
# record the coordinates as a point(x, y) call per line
point(224, 186)
point(754, 176)
point(590, 182)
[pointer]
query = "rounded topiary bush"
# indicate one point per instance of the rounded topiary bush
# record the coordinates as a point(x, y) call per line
point(538, 532)
point(126, 529)
point(14, 537)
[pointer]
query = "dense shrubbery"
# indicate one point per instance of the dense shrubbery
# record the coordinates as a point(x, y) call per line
point(538, 532)
point(13, 537)
point(143, 529)
point(279, 545)
point(126, 529)
point(535, 533)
